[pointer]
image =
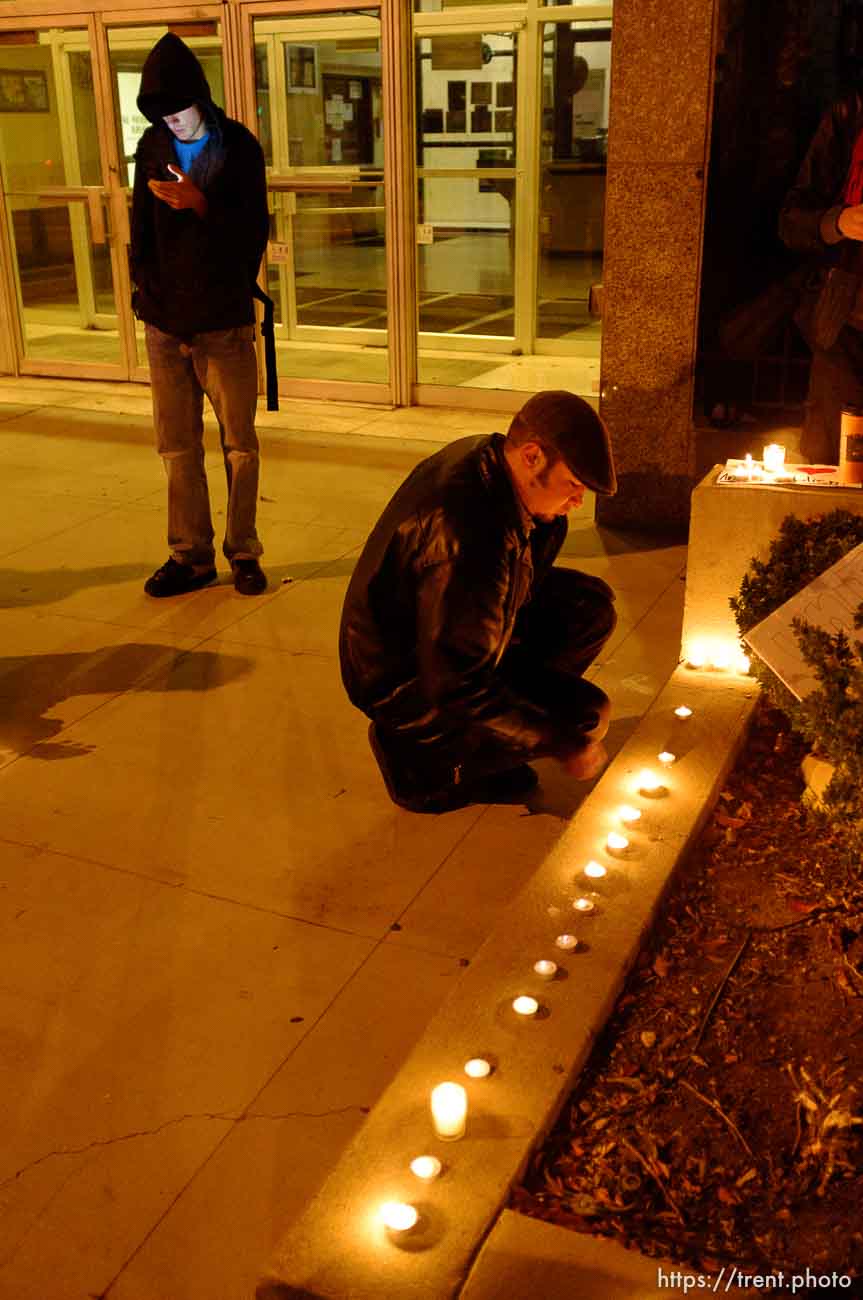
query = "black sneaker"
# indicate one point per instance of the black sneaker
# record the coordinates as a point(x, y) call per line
point(175, 579)
point(249, 577)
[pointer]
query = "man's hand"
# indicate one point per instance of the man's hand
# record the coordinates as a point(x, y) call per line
point(586, 763)
point(181, 193)
point(850, 222)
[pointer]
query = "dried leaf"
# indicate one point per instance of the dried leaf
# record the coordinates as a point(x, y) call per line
point(724, 819)
point(801, 905)
point(648, 1037)
point(662, 966)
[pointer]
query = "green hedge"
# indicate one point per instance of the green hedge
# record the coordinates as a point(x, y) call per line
point(830, 718)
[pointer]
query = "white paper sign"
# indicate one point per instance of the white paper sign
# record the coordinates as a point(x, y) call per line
point(829, 602)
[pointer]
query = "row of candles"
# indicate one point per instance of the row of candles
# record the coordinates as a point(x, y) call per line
point(449, 1101)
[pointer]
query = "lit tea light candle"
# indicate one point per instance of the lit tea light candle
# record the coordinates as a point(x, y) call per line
point(525, 1006)
point(449, 1110)
point(584, 905)
point(628, 815)
point(742, 663)
point(546, 970)
point(649, 782)
point(773, 457)
point(682, 711)
point(595, 870)
point(616, 843)
point(426, 1168)
point(748, 465)
point(667, 758)
point(567, 942)
point(477, 1068)
point(696, 656)
point(398, 1216)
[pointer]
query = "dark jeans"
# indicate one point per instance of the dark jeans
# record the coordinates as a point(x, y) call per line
point(835, 380)
point(558, 634)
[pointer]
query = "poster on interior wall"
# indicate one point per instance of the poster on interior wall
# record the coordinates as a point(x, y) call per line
point(456, 94)
point(829, 602)
point(503, 119)
point(23, 91)
point(133, 123)
point(587, 105)
point(456, 121)
point(480, 92)
point(302, 66)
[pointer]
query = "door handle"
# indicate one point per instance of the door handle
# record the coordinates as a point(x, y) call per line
point(92, 195)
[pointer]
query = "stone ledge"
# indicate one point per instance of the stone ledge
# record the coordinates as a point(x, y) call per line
point(338, 1249)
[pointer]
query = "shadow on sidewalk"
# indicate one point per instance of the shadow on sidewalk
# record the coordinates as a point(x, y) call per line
point(32, 685)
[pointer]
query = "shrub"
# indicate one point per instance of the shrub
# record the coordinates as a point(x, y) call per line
point(830, 718)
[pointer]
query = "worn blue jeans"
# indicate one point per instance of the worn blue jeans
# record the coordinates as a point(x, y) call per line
point(222, 365)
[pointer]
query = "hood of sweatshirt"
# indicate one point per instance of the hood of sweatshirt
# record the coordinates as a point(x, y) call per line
point(172, 79)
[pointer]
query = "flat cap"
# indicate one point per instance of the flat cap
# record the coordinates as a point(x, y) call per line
point(571, 425)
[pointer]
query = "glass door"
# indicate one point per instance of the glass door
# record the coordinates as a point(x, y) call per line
point(470, 197)
point(320, 119)
point(64, 228)
point(512, 127)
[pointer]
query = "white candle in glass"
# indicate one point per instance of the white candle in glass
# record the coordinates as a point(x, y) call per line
point(546, 970)
point(567, 942)
point(628, 815)
point(584, 905)
point(667, 758)
point(595, 870)
point(477, 1068)
point(683, 711)
point(773, 457)
point(449, 1110)
point(616, 843)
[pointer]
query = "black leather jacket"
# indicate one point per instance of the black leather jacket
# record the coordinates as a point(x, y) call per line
point(433, 602)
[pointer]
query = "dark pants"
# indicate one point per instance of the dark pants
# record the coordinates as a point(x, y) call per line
point(835, 380)
point(558, 634)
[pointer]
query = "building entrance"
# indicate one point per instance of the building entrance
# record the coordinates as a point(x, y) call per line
point(436, 187)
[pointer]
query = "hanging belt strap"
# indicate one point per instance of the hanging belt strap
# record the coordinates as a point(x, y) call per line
point(269, 336)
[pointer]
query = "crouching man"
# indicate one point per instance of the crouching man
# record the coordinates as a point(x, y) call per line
point(459, 638)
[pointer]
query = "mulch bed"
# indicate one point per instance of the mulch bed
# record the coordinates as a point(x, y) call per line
point(720, 1118)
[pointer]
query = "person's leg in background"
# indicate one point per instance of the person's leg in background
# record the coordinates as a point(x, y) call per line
point(227, 369)
point(178, 403)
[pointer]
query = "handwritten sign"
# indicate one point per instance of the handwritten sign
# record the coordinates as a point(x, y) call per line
point(829, 602)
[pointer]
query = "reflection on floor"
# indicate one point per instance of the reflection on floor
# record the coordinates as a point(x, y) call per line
point(466, 292)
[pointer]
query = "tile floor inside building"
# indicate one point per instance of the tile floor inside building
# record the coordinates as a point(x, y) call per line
point(220, 939)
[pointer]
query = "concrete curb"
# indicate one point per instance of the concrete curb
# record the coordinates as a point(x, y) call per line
point(339, 1248)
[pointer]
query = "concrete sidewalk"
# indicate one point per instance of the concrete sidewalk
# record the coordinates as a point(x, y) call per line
point(220, 938)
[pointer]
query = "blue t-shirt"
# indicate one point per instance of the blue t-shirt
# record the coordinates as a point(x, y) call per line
point(187, 153)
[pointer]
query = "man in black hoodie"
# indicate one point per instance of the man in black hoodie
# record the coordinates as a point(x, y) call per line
point(199, 230)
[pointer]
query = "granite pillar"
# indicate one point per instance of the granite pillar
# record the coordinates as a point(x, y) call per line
point(661, 91)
